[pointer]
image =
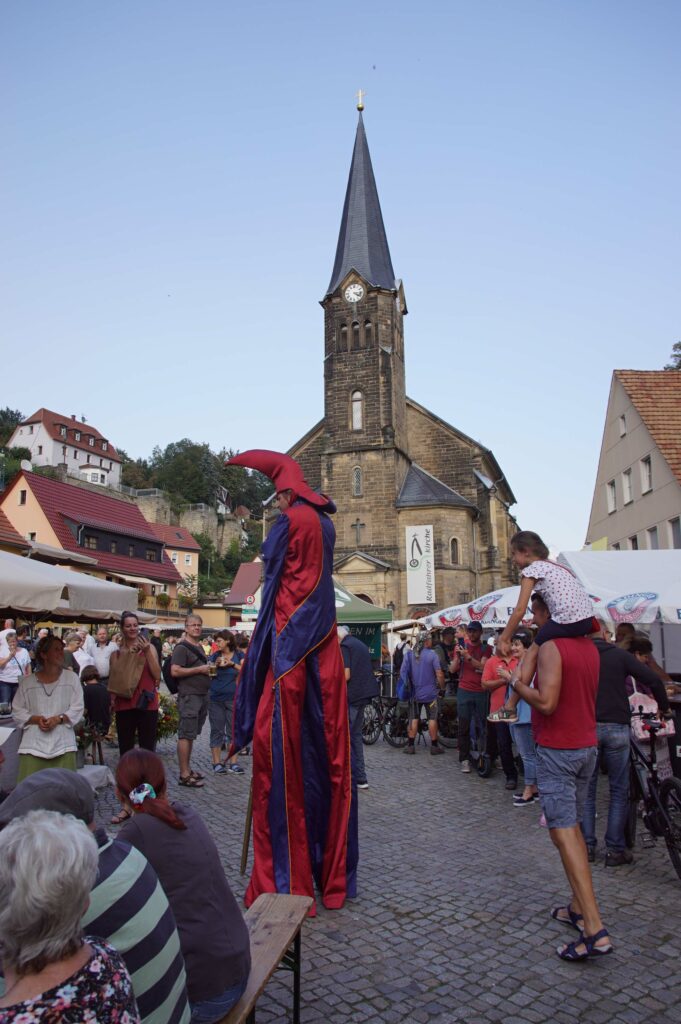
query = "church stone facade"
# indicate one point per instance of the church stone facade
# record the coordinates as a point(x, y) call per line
point(388, 462)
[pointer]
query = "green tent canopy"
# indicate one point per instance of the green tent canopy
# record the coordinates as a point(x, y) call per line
point(364, 620)
point(351, 609)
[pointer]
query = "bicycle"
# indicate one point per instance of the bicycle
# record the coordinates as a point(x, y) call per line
point(661, 799)
point(390, 716)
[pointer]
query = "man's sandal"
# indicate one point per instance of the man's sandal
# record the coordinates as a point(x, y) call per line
point(571, 918)
point(190, 781)
point(122, 816)
point(571, 953)
point(196, 775)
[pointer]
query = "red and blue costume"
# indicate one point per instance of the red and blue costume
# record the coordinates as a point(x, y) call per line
point(291, 703)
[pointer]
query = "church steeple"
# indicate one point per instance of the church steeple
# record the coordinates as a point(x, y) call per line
point(362, 243)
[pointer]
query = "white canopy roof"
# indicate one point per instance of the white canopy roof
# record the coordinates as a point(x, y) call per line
point(34, 588)
point(626, 586)
point(491, 611)
point(630, 586)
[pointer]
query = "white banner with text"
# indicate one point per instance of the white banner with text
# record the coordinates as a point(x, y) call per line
point(420, 565)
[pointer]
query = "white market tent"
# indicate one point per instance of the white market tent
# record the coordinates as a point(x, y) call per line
point(492, 611)
point(630, 586)
point(36, 589)
point(641, 587)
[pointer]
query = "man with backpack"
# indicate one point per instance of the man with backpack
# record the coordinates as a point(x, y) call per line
point(362, 686)
point(189, 668)
point(401, 649)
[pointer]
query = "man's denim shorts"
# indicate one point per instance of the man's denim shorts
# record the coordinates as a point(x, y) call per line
point(563, 779)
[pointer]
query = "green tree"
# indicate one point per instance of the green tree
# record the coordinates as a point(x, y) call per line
point(212, 576)
point(9, 421)
point(188, 469)
point(675, 363)
point(10, 463)
point(135, 472)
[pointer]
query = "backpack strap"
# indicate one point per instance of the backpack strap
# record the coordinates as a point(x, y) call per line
point(198, 654)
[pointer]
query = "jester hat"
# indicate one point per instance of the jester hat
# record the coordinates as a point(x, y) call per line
point(284, 472)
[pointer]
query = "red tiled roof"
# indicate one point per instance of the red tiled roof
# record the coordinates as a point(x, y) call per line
point(175, 537)
point(657, 397)
point(9, 536)
point(246, 582)
point(52, 421)
point(61, 501)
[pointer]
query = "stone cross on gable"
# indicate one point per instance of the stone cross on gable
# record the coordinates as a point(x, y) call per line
point(358, 527)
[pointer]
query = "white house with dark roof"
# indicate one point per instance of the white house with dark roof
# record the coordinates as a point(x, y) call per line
point(55, 439)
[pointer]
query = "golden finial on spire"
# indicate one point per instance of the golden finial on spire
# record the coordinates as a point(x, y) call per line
point(360, 100)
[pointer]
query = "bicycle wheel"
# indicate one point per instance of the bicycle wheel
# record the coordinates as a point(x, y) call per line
point(670, 802)
point(395, 722)
point(371, 725)
point(447, 722)
point(632, 809)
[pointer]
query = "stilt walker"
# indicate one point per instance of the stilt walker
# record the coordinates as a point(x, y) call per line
point(291, 703)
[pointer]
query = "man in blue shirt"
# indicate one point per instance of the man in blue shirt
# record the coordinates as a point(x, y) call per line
point(422, 668)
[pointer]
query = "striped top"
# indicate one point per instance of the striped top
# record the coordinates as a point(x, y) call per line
point(129, 909)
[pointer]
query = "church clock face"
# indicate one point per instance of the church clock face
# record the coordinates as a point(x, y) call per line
point(354, 293)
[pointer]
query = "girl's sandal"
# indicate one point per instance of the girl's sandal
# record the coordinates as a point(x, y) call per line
point(502, 715)
point(197, 775)
point(122, 816)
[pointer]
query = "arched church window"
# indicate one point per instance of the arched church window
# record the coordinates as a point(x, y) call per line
point(355, 336)
point(357, 481)
point(357, 410)
point(454, 551)
point(343, 338)
point(367, 334)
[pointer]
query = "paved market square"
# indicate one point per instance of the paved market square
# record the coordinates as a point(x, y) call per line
point(452, 918)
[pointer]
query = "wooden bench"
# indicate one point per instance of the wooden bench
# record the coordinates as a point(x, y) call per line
point(274, 924)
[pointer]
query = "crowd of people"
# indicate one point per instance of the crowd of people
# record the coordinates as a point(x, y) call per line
point(561, 694)
point(134, 943)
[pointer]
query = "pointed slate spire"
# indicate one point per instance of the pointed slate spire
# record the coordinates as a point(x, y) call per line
point(362, 243)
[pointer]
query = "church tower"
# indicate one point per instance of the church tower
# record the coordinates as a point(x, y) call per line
point(365, 410)
point(364, 389)
point(423, 516)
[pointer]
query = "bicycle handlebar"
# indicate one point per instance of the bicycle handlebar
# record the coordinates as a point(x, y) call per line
point(652, 719)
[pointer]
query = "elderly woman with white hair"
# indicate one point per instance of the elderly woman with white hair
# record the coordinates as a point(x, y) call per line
point(48, 864)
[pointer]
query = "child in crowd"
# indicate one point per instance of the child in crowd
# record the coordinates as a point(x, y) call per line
point(567, 600)
point(97, 700)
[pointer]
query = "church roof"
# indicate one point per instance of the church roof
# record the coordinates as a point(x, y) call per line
point(362, 242)
point(470, 440)
point(365, 557)
point(420, 488)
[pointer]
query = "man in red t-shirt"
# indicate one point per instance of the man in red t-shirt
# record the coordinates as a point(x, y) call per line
point(564, 726)
point(471, 700)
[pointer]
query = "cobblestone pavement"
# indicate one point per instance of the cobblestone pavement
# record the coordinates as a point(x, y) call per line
point(452, 918)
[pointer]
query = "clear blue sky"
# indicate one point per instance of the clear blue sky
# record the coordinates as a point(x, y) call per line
point(171, 189)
